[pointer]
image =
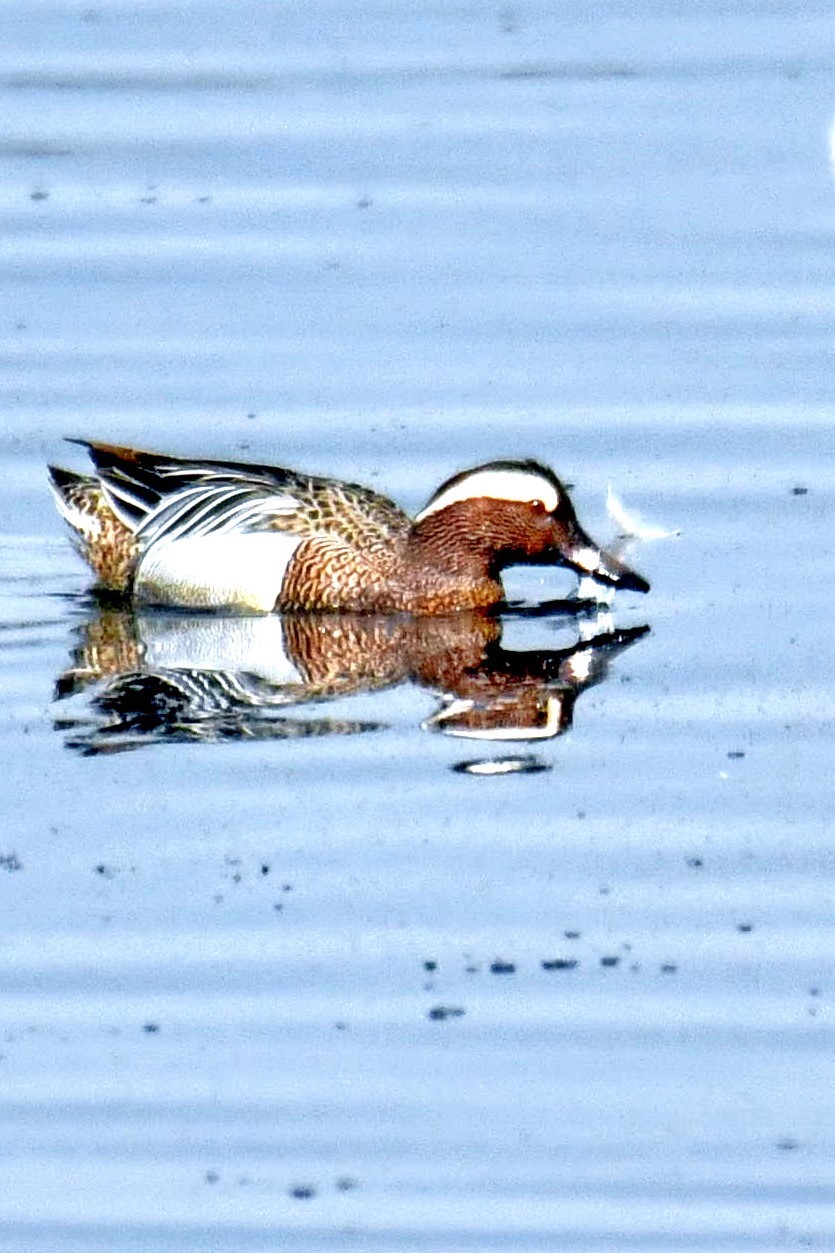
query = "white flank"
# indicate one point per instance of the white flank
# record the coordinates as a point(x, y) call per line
point(521, 485)
point(632, 525)
point(243, 571)
point(227, 645)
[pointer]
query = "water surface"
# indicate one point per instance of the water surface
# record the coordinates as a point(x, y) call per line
point(320, 968)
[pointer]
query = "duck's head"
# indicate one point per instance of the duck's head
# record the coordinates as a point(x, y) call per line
point(517, 513)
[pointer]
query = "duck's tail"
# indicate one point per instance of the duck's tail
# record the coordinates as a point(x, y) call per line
point(100, 537)
point(78, 498)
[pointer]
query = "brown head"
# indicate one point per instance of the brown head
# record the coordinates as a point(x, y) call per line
point(513, 513)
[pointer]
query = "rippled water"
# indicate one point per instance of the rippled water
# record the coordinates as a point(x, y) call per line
point(326, 966)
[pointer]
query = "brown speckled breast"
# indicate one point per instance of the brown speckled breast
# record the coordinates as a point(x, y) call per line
point(325, 574)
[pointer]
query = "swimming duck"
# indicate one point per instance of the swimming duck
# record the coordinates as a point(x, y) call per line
point(255, 538)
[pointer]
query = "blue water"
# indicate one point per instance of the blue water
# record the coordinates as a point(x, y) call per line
point(317, 972)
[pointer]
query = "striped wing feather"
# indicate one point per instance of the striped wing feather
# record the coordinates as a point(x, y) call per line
point(168, 498)
point(165, 499)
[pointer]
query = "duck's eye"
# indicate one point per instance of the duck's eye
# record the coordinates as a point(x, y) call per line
point(538, 506)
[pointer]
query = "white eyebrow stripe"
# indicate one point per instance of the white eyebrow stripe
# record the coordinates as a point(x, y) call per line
point(519, 485)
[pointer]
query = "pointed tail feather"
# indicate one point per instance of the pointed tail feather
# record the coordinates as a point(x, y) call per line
point(62, 480)
point(73, 495)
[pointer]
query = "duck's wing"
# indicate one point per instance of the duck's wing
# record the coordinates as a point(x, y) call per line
point(170, 498)
point(162, 498)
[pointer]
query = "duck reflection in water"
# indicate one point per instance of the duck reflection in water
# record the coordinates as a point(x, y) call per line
point(156, 676)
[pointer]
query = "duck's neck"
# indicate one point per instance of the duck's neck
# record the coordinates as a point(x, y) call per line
point(452, 562)
point(465, 553)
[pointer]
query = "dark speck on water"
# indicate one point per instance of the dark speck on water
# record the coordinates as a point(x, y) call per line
point(502, 968)
point(609, 961)
point(440, 1013)
point(303, 1192)
point(560, 963)
point(10, 862)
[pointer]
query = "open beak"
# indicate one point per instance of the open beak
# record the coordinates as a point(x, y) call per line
point(585, 557)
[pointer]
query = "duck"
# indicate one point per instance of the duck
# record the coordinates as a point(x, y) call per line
point(227, 535)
